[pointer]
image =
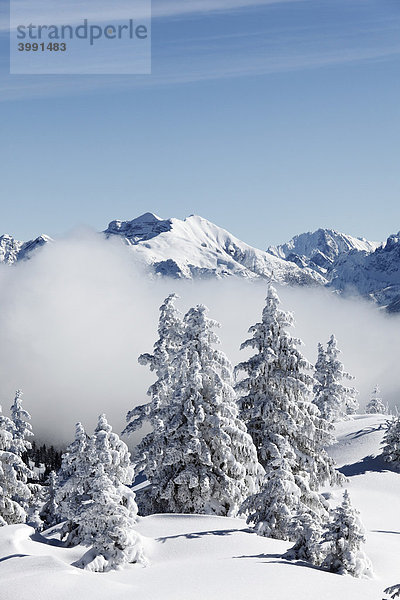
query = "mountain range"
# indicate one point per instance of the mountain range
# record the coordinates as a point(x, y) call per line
point(196, 248)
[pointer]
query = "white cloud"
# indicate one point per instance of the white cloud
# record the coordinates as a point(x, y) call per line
point(165, 8)
point(191, 70)
point(74, 11)
point(74, 319)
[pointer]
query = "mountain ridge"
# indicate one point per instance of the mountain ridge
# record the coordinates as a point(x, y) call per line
point(195, 248)
point(319, 249)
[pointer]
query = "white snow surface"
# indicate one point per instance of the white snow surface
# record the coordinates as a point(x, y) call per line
point(194, 557)
point(329, 242)
point(196, 247)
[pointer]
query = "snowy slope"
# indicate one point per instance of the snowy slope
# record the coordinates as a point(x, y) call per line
point(319, 249)
point(196, 247)
point(216, 558)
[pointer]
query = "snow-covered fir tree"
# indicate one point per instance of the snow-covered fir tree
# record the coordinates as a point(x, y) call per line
point(376, 405)
point(345, 536)
point(107, 448)
point(272, 509)
point(334, 400)
point(391, 443)
point(170, 331)
point(14, 490)
point(21, 445)
point(308, 546)
point(71, 486)
point(287, 429)
point(149, 452)
point(49, 512)
point(109, 526)
point(204, 461)
point(107, 517)
point(22, 428)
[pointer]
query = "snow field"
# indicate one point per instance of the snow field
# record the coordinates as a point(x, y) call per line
point(194, 557)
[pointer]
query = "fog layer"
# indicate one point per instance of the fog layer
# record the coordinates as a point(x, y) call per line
point(74, 319)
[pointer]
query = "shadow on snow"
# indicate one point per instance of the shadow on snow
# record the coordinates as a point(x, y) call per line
point(369, 463)
point(278, 559)
point(12, 556)
point(199, 534)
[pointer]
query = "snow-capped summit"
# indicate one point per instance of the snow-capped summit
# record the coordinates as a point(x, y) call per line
point(376, 274)
point(196, 247)
point(319, 249)
point(142, 228)
point(12, 250)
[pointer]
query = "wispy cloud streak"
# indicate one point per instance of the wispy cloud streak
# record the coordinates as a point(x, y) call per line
point(103, 12)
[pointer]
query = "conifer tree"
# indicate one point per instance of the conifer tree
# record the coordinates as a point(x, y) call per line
point(204, 460)
point(109, 450)
point(14, 491)
point(272, 509)
point(334, 400)
point(107, 518)
point(71, 486)
point(49, 512)
point(21, 446)
point(376, 405)
point(22, 428)
point(391, 443)
point(287, 429)
point(345, 536)
point(308, 547)
point(149, 452)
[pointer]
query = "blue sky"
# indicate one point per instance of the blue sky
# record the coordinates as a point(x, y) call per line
point(268, 118)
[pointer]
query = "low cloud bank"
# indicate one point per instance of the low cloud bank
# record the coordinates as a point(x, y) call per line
point(74, 319)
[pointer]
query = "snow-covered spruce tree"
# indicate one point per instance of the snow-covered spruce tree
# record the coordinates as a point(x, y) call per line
point(107, 517)
point(376, 405)
point(391, 443)
point(107, 448)
point(345, 536)
point(286, 427)
point(71, 486)
point(272, 509)
point(49, 512)
point(334, 400)
point(22, 428)
point(21, 446)
point(14, 491)
point(206, 462)
point(151, 449)
point(308, 547)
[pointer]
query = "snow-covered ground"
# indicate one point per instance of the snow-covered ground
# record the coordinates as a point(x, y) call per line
point(207, 558)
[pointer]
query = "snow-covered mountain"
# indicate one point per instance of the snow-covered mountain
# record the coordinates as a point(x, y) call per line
point(319, 249)
point(348, 264)
point(196, 248)
point(375, 274)
point(12, 250)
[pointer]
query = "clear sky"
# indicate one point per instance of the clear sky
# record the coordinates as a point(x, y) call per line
point(267, 117)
